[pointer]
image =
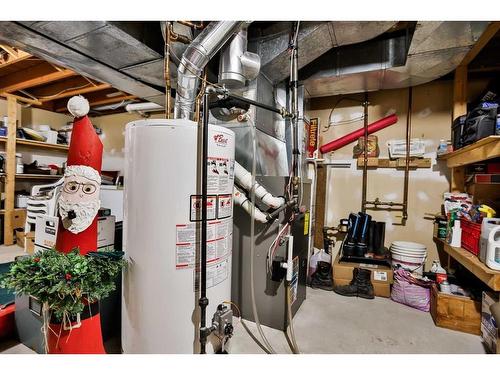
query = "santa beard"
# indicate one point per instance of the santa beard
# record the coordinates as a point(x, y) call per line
point(85, 214)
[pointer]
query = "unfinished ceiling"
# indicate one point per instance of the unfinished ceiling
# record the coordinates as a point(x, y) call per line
point(334, 57)
point(48, 86)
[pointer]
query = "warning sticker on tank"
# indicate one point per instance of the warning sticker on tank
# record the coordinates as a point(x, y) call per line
point(195, 207)
point(216, 274)
point(224, 205)
point(220, 175)
point(185, 255)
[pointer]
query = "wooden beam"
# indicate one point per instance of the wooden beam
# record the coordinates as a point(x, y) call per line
point(103, 101)
point(84, 90)
point(460, 92)
point(11, 51)
point(485, 37)
point(21, 99)
point(10, 179)
point(40, 74)
point(13, 60)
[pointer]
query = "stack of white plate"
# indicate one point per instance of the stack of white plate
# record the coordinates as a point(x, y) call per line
point(409, 255)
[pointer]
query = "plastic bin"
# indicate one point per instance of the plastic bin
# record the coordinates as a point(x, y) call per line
point(471, 234)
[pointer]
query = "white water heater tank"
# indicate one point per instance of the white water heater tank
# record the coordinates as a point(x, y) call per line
point(162, 230)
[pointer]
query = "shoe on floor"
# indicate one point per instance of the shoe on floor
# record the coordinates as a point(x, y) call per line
point(360, 285)
point(322, 278)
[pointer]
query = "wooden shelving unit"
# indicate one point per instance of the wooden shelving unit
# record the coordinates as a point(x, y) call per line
point(28, 176)
point(472, 263)
point(41, 145)
point(484, 149)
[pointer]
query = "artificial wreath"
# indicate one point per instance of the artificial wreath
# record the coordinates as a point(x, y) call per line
point(64, 282)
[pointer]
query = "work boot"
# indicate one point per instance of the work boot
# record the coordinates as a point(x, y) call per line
point(360, 285)
point(322, 277)
point(365, 286)
point(350, 290)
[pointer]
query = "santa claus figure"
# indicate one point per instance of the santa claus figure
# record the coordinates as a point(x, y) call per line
point(78, 206)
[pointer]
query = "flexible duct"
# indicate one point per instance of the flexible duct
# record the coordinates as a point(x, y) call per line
point(351, 137)
point(244, 179)
point(242, 200)
point(143, 107)
point(194, 60)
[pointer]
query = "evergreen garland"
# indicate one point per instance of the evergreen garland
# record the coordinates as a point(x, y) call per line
point(64, 281)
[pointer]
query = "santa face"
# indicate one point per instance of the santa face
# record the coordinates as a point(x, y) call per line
point(79, 199)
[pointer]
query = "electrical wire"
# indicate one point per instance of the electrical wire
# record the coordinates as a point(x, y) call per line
point(330, 123)
point(294, 346)
point(266, 345)
point(61, 92)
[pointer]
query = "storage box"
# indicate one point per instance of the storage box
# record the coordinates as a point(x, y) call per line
point(30, 242)
point(489, 327)
point(19, 219)
point(381, 276)
point(458, 313)
point(46, 232)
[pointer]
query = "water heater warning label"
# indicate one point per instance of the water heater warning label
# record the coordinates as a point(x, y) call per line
point(216, 274)
point(224, 205)
point(195, 207)
point(220, 174)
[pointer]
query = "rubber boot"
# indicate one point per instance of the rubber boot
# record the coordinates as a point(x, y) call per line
point(322, 277)
point(350, 290)
point(364, 284)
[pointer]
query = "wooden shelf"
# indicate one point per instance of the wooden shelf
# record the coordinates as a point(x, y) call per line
point(3, 139)
point(37, 144)
point(2, 211)
point(28, 176)
point(484, 149)
point(473, 264)
point(395, 163)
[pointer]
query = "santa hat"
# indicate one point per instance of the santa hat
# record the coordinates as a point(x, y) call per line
point(85, 147)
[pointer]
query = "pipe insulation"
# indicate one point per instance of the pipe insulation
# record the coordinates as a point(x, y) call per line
point(351, 137)
point(240, 198)
point(194, 60)
point(143, 107)
point(244, 179)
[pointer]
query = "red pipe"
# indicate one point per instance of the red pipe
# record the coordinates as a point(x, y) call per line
point(351, 137)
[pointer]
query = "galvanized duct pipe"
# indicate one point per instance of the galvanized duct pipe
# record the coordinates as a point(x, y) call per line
point(194, 59)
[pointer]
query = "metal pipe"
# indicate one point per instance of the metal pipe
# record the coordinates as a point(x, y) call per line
point(200, 96)
point(365, 153)
point(203, 301)
point(194, 60)
point(166, 62)
point(407, 159)
point(282, 111)
point(192, 24)
point(294, 85)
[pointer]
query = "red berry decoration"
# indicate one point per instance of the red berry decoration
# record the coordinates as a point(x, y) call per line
point(68, 276)
point(36, 260)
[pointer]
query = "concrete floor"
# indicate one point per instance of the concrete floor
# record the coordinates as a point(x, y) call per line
point(329, 323)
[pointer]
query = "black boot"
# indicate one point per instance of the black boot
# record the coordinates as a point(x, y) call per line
point(360, 285)
point(350, 290)
point(322, 277)
point(365, 286)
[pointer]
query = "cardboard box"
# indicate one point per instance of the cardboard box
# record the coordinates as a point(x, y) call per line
point(381, 276)
point(19, 218)
point(458, 313)
point(489, 327)
point(46, 232)
point(106, 233)
point(30, 242)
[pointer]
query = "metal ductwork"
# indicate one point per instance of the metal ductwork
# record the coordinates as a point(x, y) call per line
point(100, 50)
point(237, 65)
point(435, 50)
point(314, 39)
point(194, 60)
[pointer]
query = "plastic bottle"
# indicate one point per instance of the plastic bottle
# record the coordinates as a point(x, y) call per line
point(487, 225)
point(493, 251)
point(456, 234)
point(442, 148)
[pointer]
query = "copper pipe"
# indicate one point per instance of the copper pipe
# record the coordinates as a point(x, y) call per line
point(177, 37)
point(200, 97)
point(166, 62)
point(196, 26)
point(407, 158)
point(365, 153)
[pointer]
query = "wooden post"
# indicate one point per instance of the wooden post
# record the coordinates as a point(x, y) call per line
point(460, 92)
point(10, 170)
